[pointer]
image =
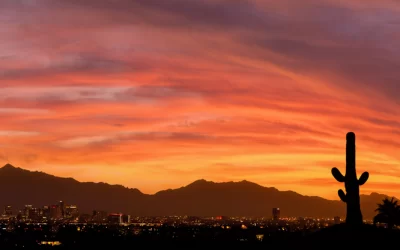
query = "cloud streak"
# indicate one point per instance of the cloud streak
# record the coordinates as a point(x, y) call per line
point(223, 90)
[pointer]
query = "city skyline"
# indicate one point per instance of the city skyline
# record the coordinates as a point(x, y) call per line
point(153, 96)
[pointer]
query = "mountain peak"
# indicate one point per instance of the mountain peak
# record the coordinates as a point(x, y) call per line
point(203, 182)
point(200, 182)
point(8, 166)
point(246, 181)
point(9, 169)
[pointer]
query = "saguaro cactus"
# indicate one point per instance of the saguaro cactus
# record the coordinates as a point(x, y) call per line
point(352, 196)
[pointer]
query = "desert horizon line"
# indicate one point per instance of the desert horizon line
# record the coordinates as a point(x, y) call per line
point(9, 165)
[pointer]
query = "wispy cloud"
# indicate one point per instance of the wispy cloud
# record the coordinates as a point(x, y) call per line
point(17, 133)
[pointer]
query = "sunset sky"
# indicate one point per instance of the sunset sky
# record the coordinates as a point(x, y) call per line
point(154, 94)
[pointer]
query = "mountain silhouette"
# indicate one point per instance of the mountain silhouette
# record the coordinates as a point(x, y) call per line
point(19, 187)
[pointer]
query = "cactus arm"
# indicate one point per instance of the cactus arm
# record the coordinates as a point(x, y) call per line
point(363, 178)
point(338, 176)
point(342, 195)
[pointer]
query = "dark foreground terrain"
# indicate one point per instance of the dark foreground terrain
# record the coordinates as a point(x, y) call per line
point(342, 236)
point(201, 198)
point(338, 236)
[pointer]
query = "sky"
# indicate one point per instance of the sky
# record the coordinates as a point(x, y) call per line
point(155, 94)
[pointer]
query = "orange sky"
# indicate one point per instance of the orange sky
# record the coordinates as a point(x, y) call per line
point(156, 94)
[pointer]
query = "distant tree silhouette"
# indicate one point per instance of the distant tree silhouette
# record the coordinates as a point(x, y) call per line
point(352, 196)
point(388, 212)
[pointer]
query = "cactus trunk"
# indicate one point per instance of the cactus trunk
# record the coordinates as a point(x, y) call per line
point(354, 215)
point(352, 196)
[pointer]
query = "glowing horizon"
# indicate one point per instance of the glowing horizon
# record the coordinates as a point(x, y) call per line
point(155, 95)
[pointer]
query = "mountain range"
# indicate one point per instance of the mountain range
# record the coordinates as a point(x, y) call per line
point(19, 187)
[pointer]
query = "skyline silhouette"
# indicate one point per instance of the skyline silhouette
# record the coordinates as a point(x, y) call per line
point(199, 198)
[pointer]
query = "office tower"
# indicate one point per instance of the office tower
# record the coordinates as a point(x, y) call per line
point(276, 213)
point(7, 211)
point(115, 219)
point(62, 208)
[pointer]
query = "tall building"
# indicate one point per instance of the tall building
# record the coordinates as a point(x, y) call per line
point(62, 208)
point(126, 218)
point(30, 212)
point(45, 212)
point(55, 212)
point(276, 213)
point(115, 218)
point(7, 211)
point(26, 211)
point(71, 211)
point(33, 213)
point(99, 216)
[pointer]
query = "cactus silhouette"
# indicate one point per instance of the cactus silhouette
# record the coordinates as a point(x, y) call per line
point(352, 196)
